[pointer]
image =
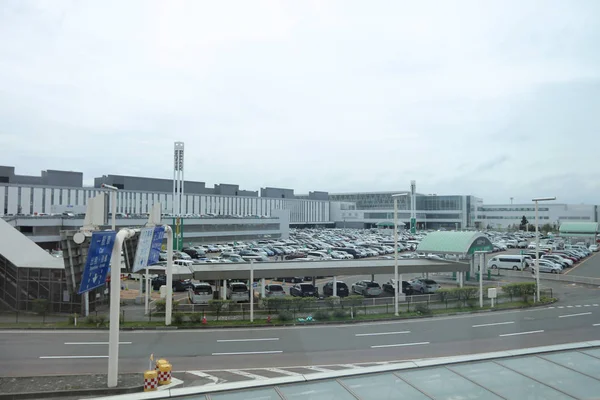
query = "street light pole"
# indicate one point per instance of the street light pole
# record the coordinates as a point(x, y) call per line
point(396, 257)
point(537, 245)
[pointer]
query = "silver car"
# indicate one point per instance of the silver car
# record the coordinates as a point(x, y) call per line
point(422, 285)
point(367, 288)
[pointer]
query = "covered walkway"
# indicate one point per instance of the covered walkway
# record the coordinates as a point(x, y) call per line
point(587, 230)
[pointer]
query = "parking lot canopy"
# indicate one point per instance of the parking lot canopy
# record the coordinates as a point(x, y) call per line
point(578, 229)
point(454, 243)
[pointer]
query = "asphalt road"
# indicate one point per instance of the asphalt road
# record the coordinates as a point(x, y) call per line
point(577, 318)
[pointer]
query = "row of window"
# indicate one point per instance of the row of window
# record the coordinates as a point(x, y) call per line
point(529, 218)
point(28, 201)
point(512, 209)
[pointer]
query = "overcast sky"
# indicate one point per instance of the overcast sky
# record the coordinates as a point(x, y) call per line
point(494, 99)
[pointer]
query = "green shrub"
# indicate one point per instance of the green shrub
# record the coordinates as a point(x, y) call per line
point(321, 315)
point(217, 306)
point(161, 305)
point(285, 316)
point(101, 320)
point(196, 317)
point(72, 318)
point(91, 320)
point(331, 302)
point(40, 306)
point(519, 289)
point(178, 318)
point(339, 313)
point(422, 309)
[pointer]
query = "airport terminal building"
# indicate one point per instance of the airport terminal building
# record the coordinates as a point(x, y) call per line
point(41, 206)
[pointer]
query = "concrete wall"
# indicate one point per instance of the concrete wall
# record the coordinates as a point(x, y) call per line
point(150, 184)
point(318, 195)
point(277, 193)
point(46, 178)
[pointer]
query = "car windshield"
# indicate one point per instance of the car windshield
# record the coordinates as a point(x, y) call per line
point(203, 290)
point(239, 288)
point(372, 284)
point(276, 288)
point(307, 288)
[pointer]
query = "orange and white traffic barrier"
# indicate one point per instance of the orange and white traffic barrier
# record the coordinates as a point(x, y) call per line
point(164, 374)
point(150, 381)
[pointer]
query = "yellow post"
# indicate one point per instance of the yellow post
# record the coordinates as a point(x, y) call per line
point(164, 374)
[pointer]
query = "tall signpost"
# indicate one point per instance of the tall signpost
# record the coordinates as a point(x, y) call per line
point(537, 245)
point(178, 191)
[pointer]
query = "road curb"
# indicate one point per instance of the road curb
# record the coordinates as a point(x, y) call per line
point(70, 393)
point(342, 322)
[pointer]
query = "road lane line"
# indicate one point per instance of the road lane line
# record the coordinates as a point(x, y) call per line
point(399, 345)
point(574, 315)
point(92, 343)
point(595, 305)
point(247, 340)
point(319, 369)
point(493, 324)
point(569, 306)
point(68, 357)
point(578, 305)
point(283, 371)
point(238, 353)
point(213, 379)
point(520, 333)
point(247, 374)
point(596, 325)
point(381, 333)
point(587, 305)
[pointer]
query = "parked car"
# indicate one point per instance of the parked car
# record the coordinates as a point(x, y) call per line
point(304, 290)
point(342, 289)
point(593, 247)
point(423, 286)
point(515, 262)
point(200, 293)
point(367, 288)
point(179, 285)
point(547, 266)
point(391, 284)
point(238, 292)
point(274, 290)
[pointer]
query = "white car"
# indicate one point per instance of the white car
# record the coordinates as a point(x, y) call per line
point(593, 247)
point(548, 266)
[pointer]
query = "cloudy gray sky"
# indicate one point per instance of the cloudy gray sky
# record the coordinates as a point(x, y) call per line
point(495, 99)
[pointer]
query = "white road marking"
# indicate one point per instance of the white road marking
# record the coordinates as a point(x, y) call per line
point(569, 306)
point(174, 382)
point(561, 306)
point(579, 305)
point(596, 325)
point(398, 345)
point(550, 308)
point(318, 369)
point(587, 305)
point(574, 315)
point(520, 333)
point(247, 374)
point(247, 352)
point(68, 357)
point(214, 380)
point(493, 324)
point(381, 333)
point(92, 343)
point(247, 340)
point(595, 305)
point(283, 371)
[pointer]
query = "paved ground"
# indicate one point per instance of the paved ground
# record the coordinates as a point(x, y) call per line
point(590, 267)
point(213, 356)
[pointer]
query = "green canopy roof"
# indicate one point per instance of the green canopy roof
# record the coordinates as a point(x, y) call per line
point(455, 243)
point(578, 228)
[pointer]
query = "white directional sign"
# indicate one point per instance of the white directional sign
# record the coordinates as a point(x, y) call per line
point(143, 249)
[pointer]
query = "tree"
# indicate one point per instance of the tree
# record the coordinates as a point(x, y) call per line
point(524, 223)
point(547, 228)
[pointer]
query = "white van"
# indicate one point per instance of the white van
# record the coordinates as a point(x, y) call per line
point(200, 293)
point(515, 262)
point(183, 263)
point(238, 292)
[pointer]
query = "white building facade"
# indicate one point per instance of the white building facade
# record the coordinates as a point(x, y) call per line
point(502, 216)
